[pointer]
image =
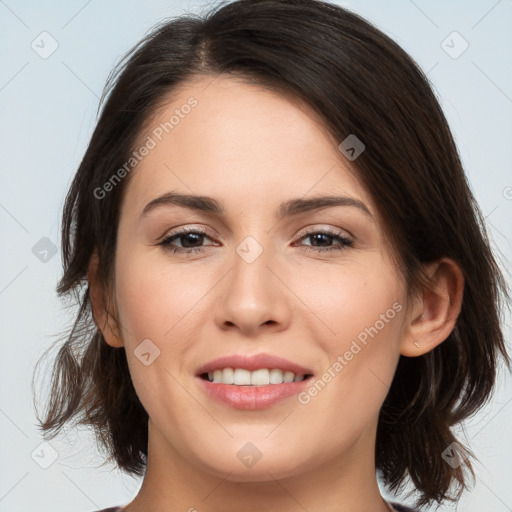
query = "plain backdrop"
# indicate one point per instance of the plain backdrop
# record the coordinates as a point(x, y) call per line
point(55, 59)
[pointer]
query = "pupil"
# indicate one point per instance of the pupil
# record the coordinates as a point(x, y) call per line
point(321, 235)
point(187, 238)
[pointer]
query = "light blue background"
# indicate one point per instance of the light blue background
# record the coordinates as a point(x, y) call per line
point(48, 111)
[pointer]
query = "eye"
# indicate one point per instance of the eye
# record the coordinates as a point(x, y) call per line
point(191, 241)
point(327, 237)
point(190, 237)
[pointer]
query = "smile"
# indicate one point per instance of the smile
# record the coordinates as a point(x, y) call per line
point(261, 377)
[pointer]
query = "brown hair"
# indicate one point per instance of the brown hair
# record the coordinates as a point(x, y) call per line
point(360, 82)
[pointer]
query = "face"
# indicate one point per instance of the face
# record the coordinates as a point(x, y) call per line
point(306, 282)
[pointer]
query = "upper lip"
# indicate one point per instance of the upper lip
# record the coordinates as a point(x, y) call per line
point(252, 363)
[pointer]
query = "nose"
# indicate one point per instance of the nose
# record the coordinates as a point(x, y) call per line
point(253, 298)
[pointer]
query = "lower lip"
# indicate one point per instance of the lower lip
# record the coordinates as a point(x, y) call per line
point(252, 397)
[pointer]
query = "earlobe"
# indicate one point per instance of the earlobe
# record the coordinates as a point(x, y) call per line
point(104, 321)
point(435, 310)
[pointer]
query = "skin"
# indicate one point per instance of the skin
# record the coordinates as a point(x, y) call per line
point(252, 149)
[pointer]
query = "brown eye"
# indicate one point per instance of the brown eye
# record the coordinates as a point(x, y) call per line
point(326, 239)
point(188, 239)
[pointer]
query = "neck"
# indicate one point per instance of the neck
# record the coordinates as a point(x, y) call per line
point(173, 482)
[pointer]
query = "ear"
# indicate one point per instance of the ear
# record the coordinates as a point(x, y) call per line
point(435, 310)
point(104, 321)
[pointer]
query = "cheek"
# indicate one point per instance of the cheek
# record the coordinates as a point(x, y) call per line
point(358, 322)
point(155, 300)
point(160, 303)
point(357, 300)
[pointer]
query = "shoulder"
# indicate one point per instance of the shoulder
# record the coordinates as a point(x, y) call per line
point(111, 509)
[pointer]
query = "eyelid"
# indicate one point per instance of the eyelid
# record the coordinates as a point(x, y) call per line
point(187, 227)
point(346, 242)
point(324, 228)
point(303, 232)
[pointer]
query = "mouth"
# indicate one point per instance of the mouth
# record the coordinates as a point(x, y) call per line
point(252, 382)
point(249, 396)
point(257, 378)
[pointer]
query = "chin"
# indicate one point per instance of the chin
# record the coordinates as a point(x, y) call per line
point(249, 465)
point(261, 472)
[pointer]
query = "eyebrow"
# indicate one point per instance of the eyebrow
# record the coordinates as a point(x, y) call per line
point(286, 209)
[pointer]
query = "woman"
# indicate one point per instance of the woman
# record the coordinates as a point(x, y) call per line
point(289, 283)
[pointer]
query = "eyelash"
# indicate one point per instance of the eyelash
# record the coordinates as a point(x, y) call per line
point(165, 243)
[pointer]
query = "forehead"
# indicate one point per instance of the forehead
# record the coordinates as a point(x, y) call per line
point(221, 137)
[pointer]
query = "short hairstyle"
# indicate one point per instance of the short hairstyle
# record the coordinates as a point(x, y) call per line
point(360, 82)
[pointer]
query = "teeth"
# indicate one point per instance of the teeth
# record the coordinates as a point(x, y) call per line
point(263, 377)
